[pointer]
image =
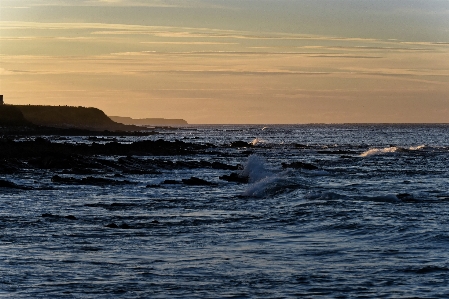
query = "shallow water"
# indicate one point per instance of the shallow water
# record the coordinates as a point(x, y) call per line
point(372, 221)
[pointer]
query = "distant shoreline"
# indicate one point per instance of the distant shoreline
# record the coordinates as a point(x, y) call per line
point(47, 118)
point(148, 121)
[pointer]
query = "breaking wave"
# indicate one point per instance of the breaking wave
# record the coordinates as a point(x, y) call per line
point(264, 182)
point(377, 151)
point(389, 150)
point(258, 141)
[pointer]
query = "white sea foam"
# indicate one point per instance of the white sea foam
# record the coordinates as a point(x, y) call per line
point(262, 181)
point(257, 141)
point(416, 148)
point(389, 150)
point(379, 151)
point(254, 169)
point(267, 185)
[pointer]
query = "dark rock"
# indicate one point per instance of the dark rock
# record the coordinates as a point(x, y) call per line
point(48, 215)
point(240, 143)
point(44, 148)
point(10, 166)
point(234, 177)
point(170, 182)
point(247, 153)
point(111, 225)
point(194, 181)
point(124, 226)
point(219, 165)
point(405, 197)
point(153, 186)
point(299, 165)
point(71, 217)
point(155, 222)
point(8, 184)
point(301, 146)
point(41, 140)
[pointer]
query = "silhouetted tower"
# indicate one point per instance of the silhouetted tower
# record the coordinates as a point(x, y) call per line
point(1, 99)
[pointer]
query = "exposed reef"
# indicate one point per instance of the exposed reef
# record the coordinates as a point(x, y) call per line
point(101, 164)
point(41, 148)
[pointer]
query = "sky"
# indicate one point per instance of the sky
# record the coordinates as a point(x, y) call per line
point(231, 61)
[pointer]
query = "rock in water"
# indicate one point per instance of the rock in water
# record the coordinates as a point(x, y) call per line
point(299, 165)
point(234, 177)
point(194, 181)
point(240, 143)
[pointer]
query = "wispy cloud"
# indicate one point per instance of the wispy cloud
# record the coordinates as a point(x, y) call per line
point(189, 43)
point(109, 3)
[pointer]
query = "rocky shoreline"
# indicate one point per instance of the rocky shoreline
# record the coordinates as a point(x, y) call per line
point(105, 163)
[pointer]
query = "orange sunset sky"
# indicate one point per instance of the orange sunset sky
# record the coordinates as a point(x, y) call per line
point(245, 61)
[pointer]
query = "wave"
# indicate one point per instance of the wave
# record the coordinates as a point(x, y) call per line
point(270, 185)
point(387, 198)
point(258, 141)
point(390, 150)
point(264, 182)
point(416, 148)
point(383, 198)
point(377, 151)
point(254, 169)
point(325, 196)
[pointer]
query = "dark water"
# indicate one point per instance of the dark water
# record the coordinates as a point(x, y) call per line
point(371, 221)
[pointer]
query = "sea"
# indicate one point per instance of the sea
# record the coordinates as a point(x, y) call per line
point(328, 211)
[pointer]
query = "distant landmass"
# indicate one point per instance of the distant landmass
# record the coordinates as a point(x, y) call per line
point(60, 117)
point(69, 117)
point(149, 121)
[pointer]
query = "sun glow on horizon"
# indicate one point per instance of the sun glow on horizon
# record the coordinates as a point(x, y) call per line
point(190, 60)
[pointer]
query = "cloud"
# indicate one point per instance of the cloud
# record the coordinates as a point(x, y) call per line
point(189, 43)
point(110, 3)
point(35, 38)
point(344, 56)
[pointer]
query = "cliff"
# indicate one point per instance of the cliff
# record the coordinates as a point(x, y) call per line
point(149, 121)
point(70, 117)
point(11, 116)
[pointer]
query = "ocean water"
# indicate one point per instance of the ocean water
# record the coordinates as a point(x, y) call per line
point(370, 219)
